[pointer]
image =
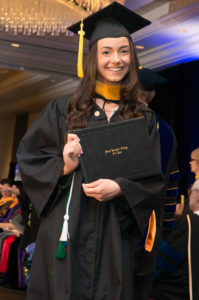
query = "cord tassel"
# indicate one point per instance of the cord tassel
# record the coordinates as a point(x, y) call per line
point(81, 33)
point(62, 246)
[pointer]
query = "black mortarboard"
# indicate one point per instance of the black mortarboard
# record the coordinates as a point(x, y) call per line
point(115, 20)
point(150, 79)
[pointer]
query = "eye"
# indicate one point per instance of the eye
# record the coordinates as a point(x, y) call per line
point(105, 52)
point(125, 51)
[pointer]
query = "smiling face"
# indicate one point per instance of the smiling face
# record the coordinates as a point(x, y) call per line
point(113, 59)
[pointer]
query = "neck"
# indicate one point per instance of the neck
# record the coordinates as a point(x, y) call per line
point(108, 107)
point(196, 207)
point(105, 105)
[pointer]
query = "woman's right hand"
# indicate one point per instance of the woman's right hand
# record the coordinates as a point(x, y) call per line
point(71, 153)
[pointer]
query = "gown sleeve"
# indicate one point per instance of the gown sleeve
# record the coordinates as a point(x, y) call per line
point(143, 196)
point(40, 154)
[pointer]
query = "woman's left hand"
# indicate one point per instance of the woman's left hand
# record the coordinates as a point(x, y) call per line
point(102, 189)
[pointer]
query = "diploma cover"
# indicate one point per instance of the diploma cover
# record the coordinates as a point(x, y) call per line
point(120, 149)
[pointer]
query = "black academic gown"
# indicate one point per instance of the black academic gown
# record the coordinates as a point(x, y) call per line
point(29, 220)
point(106, 238)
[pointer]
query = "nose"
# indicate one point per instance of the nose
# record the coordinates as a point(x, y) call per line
point(116, 57)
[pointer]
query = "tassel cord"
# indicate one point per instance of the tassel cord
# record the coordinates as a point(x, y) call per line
point(81, 33)
point(65, 234)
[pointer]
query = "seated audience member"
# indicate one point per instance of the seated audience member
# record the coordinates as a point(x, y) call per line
point(25, 222)
point(15, 234)
point(7, 201)
point(6, 224)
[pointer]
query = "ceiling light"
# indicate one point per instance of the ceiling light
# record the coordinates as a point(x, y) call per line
point(139, 47)
point(182, 30)
point(15, 45)
point(38, 17)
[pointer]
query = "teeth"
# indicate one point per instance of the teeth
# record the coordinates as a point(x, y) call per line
point(115, 69)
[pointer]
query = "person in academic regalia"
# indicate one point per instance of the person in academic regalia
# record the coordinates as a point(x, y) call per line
point(94, 237)
point(193, 231)
point(150, 83)
point(176, 275)
point(8, 201)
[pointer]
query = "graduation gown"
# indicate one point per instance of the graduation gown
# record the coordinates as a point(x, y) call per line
point(30, 220)
point(106, 238)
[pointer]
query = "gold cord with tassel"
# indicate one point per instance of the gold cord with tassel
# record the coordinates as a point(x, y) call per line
point(81, 33)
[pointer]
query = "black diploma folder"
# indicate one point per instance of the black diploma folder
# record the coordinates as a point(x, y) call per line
point(121, 149)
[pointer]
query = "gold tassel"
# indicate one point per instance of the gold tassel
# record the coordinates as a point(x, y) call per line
point(81, 33)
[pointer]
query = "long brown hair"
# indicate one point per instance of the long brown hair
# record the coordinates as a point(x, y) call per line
point(81, 104)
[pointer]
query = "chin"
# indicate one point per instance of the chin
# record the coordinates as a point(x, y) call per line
point(115, 80)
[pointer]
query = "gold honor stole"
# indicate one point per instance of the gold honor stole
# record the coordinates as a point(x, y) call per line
point(108, 91)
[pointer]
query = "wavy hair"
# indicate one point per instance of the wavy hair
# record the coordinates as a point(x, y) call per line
point(81, 104)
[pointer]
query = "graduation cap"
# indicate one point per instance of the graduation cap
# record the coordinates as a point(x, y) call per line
point(150, 79)
point(115, 20)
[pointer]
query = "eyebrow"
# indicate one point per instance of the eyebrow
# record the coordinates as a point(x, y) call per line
point(109, 47)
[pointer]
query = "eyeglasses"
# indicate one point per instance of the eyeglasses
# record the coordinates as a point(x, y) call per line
point(193, 159)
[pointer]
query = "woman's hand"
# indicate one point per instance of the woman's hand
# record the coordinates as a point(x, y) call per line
point(71, 153)
point(102, 189)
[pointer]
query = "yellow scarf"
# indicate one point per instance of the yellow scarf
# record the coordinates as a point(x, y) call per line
point(108, 91)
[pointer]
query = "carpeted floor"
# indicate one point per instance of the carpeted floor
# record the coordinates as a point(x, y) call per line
point(11, 294)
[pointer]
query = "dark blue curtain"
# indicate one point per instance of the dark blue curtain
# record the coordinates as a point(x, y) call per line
point(177, 102)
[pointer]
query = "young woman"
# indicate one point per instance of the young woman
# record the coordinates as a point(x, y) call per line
point(108, 219)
